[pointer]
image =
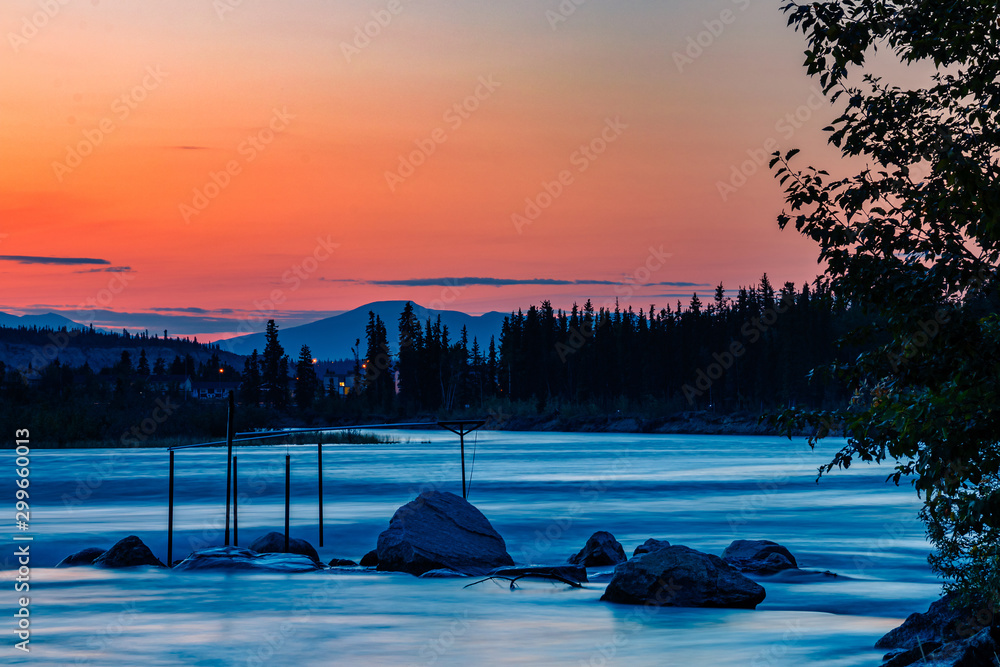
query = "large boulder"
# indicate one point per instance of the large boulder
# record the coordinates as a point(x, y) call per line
point(939, 623)
point(439, 530)
point(978, 650)
point(904, 657)
point(759, 556)
point(651, 544)
point(601, 549)
point(84, 557)
point(241, 558)
point(274, 543)
point(370, 559)
point(129, 552)
point(678, 576)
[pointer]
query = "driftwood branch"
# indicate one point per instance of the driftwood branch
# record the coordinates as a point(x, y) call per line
point(534, 575)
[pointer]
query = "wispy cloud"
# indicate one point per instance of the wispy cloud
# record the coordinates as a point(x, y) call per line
point(191, 148)
point(65, 261)
point(108, 269)
point(197, 311)
point(497, 282)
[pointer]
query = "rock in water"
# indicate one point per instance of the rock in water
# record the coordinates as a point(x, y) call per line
point(649, 545)
point(759, 556)
point(677, 576)
point(274, 543)
point(439, 530)
point(938, 623)
point(601, 549)
point(370, 559)
point(442, 574)
point(85, 557)
point(128, 552)
point(241, 558)
point(342, 562)
point(981, 648)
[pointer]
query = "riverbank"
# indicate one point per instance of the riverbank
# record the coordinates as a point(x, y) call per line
point(681, 423)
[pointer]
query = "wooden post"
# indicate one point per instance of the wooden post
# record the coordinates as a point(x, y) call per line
point(236, 504)
point(229, 459)
point(319, 459)
point(170, 513)
point(288, 488)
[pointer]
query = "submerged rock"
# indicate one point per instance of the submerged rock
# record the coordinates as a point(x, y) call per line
point(274, 543)
point(601, 549)
point(85, 557)
point(759, 556)
point(129, 552)
point(651, 544)
point(939, 623)
point(678, 576)
point(439, 530)
point(241, 558)
point(442, 574)
point(370, 559)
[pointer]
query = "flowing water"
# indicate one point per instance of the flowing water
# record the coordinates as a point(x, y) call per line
point(544, 492)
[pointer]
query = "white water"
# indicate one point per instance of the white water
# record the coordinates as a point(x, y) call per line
point(545, 493)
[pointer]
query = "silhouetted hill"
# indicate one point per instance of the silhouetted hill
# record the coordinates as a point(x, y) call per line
point(333, 337)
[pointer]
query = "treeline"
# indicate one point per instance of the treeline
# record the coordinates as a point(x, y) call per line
point(89, 337)
point(752, 351)
point(119, 406)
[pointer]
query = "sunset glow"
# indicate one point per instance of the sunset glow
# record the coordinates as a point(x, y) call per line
point(215, 155)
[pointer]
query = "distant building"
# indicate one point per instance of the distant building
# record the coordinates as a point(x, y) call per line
point(169, 384)
point(338, 384)
point(212, 390)
point(30, 376)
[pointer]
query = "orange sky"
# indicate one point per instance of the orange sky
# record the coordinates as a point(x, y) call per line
point(300, 123)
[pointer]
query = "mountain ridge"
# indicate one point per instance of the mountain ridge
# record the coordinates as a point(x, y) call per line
point(333, 337)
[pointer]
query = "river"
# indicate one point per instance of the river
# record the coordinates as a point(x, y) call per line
point(544, 492)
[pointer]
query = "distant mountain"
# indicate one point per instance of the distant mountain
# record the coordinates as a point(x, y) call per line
point(51, 320)
point(333, 337)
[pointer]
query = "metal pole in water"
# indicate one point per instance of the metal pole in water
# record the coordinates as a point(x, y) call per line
point(461, 440)
point(236, 503)
point(288, 489)
point(319, 458)
point(229, 459)
point(170, 513)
